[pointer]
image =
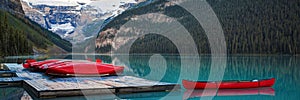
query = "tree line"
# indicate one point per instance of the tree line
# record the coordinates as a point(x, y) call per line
point(38, 38)
point(250, 27)
point(13, 41)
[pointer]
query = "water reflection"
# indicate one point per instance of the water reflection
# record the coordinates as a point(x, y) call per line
point(188, 94)
point(239, 67)
point(11, 93)
point(284, 68)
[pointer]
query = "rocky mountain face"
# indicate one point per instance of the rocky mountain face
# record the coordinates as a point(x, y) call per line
point(250, 27)
point(114, 37)
point(13, 5)
point(75, 20)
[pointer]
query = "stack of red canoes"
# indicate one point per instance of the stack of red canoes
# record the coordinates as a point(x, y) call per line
point(73, 67)
point(228, 84)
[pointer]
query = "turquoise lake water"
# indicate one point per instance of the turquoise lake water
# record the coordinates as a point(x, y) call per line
point(171, 68)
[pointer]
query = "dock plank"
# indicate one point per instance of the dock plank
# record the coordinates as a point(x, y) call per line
point(44, 86)
point(10, 81)
point(7, 73)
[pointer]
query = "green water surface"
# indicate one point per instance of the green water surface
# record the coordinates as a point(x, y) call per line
point(170, 68)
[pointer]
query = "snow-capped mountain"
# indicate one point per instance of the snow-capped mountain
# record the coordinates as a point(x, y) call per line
point(75, 20)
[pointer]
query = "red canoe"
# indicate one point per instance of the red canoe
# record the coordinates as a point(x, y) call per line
point(228, 84)
point(70, 62)
point(60, 63)
point(228, 92)
point(43, 65)
point(28, 62)
point(35, 64)
point(71, 67)
point(85, 69)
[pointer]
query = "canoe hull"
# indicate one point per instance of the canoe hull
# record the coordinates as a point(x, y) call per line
point(87, 69)
point(39, 63)
point(64, 67)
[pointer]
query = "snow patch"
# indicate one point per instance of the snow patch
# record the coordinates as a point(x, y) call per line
point(57, 2)
point(109, 5)
point(66, 27)
point(77, 13)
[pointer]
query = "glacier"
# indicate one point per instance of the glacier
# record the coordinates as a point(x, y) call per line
point(69, 18)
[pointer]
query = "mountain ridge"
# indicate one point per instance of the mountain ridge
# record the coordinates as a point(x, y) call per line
point(250, 27)
point(76, 19)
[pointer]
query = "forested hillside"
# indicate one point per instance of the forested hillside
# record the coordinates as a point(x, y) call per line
point(260, 26)
point(20, 36)
point(13, 41)
point(250, 27)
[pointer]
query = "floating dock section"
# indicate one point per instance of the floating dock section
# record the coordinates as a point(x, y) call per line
point(43, 86)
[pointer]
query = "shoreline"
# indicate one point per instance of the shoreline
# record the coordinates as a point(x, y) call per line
point(167, 54)
point(143, 54)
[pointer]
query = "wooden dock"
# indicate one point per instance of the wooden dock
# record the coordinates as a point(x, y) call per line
point(11, 81)
point(43, 86)
point(7, 73)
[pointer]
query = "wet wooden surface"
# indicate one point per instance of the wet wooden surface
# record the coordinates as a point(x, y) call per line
point(42, 85)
